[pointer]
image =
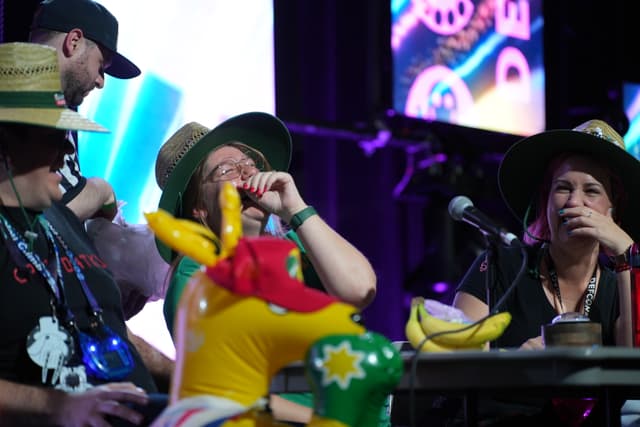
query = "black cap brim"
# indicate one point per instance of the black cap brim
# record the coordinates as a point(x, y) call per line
point(121, 67)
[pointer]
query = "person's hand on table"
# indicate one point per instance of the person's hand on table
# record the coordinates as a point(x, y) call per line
point(533, 344)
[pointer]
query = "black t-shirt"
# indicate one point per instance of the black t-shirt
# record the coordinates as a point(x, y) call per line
point(528, 304)
point(25, 296)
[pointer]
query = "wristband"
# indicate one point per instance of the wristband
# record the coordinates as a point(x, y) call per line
point(107, 211)
point(622, 267)
point(622, 262)
point(302, 216)
point(634, 255)
point(108, 206)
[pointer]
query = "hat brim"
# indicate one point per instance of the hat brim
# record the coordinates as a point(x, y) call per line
point(258, 130)
point(121, 67)
point(59, 118)
point(522, 169)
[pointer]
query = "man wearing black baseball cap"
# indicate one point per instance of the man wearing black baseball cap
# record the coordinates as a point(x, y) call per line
point(64, 24)
point(85, 35)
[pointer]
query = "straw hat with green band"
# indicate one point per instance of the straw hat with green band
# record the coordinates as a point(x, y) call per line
point(181, 154)
point(30, 89)
point(524, 164)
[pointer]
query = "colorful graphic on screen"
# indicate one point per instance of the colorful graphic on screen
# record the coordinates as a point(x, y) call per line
point(476, 63)
point(631, 101)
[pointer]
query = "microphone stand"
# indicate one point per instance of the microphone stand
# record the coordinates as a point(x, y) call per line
point(491, 245)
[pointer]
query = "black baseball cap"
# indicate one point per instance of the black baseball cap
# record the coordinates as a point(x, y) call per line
point(95, 21)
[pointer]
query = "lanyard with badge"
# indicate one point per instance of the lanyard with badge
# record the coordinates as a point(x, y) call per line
point(589, 294)
point(52, 345)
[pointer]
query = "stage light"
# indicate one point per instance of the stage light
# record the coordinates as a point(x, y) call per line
point(440, 287)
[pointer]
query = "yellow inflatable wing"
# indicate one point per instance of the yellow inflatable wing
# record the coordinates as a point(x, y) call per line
point(197, 241)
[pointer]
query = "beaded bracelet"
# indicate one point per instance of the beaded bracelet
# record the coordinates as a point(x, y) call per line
point(297, 220)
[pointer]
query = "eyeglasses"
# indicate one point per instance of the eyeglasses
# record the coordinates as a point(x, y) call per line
point(231, 169)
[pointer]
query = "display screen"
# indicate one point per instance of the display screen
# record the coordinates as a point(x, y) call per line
point(631, 100)
point(476, 63)
point(201, 60)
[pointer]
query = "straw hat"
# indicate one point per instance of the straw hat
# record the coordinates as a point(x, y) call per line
point(30, 90)
point(181, 154)
point(524, 164)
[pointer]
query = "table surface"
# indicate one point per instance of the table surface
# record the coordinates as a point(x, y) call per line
point(581, 368)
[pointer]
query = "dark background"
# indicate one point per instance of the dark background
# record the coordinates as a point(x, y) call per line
point(333, 90)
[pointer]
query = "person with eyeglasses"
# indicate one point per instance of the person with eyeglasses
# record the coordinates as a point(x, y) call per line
point(253, 151)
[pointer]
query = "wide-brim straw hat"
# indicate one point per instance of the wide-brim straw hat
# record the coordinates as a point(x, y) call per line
point(31, 92)
point(522, 169)
point(181, 154)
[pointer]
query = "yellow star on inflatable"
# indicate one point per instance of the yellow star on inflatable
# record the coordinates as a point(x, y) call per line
point(341, 364)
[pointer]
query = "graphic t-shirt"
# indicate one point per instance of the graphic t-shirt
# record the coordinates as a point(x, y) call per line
point(72, 180)
point(25, 296)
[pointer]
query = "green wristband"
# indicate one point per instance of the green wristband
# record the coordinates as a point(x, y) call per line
point(108, 206)
point(300, 217)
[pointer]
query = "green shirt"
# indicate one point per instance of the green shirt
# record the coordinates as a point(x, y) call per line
point(185, 269)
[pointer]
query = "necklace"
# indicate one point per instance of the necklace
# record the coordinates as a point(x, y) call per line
point(589, 293)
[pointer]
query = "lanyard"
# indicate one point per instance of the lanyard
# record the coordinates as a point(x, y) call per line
point(590, 292)
point(53, 279)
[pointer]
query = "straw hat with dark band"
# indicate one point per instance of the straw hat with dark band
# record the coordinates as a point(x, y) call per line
point(180, 156)
point(523, 166)
point(30, 90)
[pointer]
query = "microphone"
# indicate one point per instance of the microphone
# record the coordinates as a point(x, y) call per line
point(462, 209)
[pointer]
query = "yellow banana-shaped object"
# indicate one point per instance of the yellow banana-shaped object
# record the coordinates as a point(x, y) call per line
point(488, 330)
point(415, 335)
point(182, 235)
point(230, 206)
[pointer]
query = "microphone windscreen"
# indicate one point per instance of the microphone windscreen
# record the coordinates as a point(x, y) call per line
point(457, 205)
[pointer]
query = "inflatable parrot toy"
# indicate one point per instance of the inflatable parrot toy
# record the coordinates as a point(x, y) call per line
point(246, 315)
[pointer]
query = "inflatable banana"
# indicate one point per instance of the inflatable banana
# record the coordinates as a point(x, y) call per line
point(416, 335)
point(487, 330)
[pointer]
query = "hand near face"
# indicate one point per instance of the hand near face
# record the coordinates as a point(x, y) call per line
point(275, 192)
point(586, 222)
point(580, 204)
